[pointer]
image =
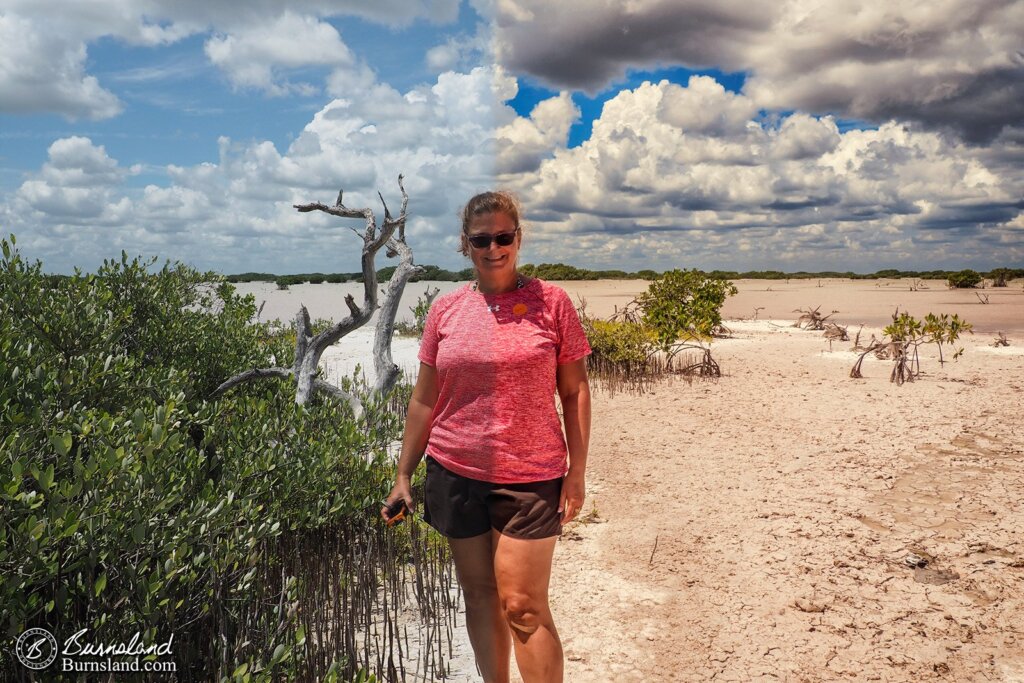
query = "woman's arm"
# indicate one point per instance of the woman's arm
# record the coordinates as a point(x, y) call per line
point(417, 430)
point(574, 391)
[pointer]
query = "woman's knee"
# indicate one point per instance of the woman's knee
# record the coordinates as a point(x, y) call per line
point(525, 613)
point(479, 590)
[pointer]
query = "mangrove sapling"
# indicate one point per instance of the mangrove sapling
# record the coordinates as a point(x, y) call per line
point(905, 336)
point(309, 347)
point(908, 334)
point(679, 312)
point(945, 329)
point(1001, 340)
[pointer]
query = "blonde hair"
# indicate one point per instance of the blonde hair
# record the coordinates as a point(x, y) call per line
point(499, 201)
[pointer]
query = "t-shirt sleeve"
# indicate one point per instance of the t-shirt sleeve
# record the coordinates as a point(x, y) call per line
point(428, 344)
point(572, 340)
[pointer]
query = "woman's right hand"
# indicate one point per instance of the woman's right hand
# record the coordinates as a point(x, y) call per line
point(401, 490)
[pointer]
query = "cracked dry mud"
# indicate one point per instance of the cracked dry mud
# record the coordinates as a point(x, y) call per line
point(755, 528)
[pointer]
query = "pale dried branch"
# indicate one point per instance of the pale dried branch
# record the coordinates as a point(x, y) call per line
point(341, 395)
point(386, 371)
point(856, 340)
point(835, 332)
point(811, 319)
point(309, 348)
point(249, 376)
point(350, 301)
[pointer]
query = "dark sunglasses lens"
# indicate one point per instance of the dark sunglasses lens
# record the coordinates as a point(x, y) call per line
point(483, 241)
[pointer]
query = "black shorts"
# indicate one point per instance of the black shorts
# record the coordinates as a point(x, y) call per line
point(460, 507)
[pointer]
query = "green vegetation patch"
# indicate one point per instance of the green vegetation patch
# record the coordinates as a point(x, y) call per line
point(131, 502)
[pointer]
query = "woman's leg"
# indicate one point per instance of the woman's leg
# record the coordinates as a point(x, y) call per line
point(522, 569)
point(488, 630)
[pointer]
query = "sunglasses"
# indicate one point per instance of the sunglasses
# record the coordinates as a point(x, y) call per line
point(503, 239)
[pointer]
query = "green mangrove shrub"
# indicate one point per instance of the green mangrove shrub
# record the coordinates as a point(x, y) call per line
point(964, 279)
point(684, 305)
point(678, 314)
point(130, 503)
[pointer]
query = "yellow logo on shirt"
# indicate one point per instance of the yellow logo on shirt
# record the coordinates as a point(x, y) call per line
point(519, 309)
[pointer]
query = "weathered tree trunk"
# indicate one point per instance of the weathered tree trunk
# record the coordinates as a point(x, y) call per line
point(384, 367)
point(309, 348)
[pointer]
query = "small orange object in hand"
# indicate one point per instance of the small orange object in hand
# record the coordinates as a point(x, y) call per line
point(395, 512)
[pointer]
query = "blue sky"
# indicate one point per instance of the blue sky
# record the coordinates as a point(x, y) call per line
point(659, 134)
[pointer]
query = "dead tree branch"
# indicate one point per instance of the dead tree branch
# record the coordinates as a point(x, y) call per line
point(309, 347)
point(384, 367)
point(811, 319)
point(856, 340)
point(835, 332)
point(250, 375)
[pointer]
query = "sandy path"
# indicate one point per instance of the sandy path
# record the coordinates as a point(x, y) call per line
point(782, 501)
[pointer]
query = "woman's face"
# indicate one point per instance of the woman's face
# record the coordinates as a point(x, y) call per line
point(494, 259)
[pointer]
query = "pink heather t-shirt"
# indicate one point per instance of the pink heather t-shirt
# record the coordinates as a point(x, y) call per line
point(496, 356)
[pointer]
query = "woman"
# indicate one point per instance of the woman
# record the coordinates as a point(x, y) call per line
point(499, 485)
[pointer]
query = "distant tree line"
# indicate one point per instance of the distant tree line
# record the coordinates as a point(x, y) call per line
point(996, 275)
point(562, 271)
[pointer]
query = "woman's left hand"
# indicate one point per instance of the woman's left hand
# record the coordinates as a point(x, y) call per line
point(573, 493)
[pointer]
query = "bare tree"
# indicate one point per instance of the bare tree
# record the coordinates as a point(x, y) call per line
point(309, 347)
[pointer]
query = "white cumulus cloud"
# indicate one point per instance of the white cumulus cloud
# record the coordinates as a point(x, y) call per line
point(44, 59)
point(43, 71)
point(256, 56)
point(525, 142)
point(701, 165)
point(235, 212)
point(954, 65)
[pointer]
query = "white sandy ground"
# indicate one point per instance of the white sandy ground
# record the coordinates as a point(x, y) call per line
point(757, 527)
